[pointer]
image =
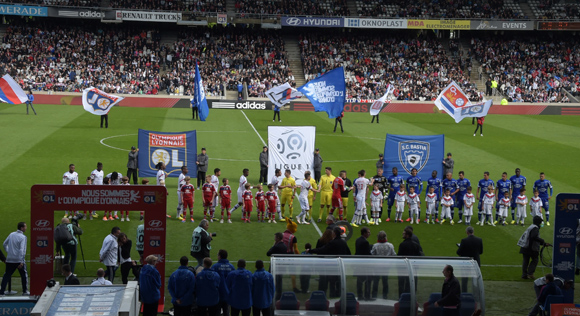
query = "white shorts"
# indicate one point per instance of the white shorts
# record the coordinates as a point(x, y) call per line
point(304, 203)
point(178, 197)
point(240, 197)
point(430, 209)
point(414, 210)
point(536, 212)
point(503, 211)
point(400, 207)
point(468, 211)
point(446, 212)
point(360, 204)
point(375, 206)
point(522, 212)
point(487, 209)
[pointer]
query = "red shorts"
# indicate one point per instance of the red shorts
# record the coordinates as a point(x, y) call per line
point(336, 202)
point(226, 204)
point(207, 202)
point(188, 203)
point(248, 207)
point(272, 208)
point(261, 207)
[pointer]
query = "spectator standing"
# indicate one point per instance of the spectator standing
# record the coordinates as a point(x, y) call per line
point(200, 242)
point(276, 113)
point(133, 164)
point(279, 247)
point(30, 97)
point(407, 248)
point(181, 286)
point(109, 253)
point(339, 120)
point(201, 162)
point(448, 164)
point(479, 126)
point(194, 109)
point(317, 165)
point(101, 278)
point(15, 246)
point(127, 264)
point(223, 267)
point(450, 293)
point(262, 291)
point(363, 248)
point(471, 246)
point(70, 247)
point(530, 248)
point(382, 248)
point(239, 284)
point(69, 277)
point(488, 87)
point(264, 166)
point(149, 285)
point(207, 294)
point(338, 247)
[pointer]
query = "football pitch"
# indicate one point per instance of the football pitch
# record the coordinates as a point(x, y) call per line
point(38, 150)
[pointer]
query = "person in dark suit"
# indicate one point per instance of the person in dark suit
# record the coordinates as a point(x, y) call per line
point(336, 247)
point(363, 248)
point(69, 278)
point(471, 246)
point(280, 249)
point(450, 293)
point(408, 248)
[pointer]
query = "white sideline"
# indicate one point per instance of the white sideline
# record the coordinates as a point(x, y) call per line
point(252, 125)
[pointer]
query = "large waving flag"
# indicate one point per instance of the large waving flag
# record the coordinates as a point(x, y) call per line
point(199, 95)
point(98, 102)
point(454, 102)
point(11, 92)
point(327, 92)
point(282, 94)
point(378, 104)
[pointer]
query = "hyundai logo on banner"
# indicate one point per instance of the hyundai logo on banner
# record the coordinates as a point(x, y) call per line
point(312, 22)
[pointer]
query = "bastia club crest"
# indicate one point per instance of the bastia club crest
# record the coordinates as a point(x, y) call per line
point(413, 154)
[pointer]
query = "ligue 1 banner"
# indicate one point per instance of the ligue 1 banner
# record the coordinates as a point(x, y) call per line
point(291, 147)
point(425, 153)
point(174, 149)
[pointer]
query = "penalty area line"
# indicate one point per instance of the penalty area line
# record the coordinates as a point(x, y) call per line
point(252, 125)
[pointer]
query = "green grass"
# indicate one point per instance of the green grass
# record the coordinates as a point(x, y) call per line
point(38, 149)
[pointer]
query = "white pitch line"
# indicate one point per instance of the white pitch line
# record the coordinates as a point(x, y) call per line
point(341, 135)
point(103, 141)
point(252, 125)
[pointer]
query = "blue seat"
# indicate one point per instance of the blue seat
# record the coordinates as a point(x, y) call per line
point(403, 306)
point(317, 302)
point(352, 305)
point(429, 308)
point(288, 301)
point(551, 299)
point(468, 304)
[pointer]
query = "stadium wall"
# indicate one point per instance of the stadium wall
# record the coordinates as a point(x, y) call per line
point(263, 104)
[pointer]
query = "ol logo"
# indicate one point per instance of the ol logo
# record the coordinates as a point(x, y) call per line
point(413, 154)
point(291, 144)
point(149, 199)
point(48, 198)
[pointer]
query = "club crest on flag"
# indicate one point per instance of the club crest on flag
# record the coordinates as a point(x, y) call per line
point(98, 102)
point(455, 96)
point(413, 154)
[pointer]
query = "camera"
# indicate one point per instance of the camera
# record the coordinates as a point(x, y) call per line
point(213, 234)
point(75, 219)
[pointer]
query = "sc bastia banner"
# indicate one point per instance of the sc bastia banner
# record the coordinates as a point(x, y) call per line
point(291, 147)
point(174, 149)
point(98, 102)
point(425, 153)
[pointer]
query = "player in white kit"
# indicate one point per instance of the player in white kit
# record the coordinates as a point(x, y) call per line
point(431, 201)
point(536, 205)
point(215, 181)
point(161, 176)
point(488, 201)
point(400, 197)
point(70, 175)
point(446, 204)
point(376, 203)
point(97, 177)
point(180, 183)
point(360, 212)
point(305, 187)
point(504, 204)
point(275, 182)
point(469, 200)
point(414, 203)
point(241, 189)
point(521, 203)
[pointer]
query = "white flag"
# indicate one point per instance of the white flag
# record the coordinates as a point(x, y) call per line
point(98, 102)
point(282, 94)
point(378, 104)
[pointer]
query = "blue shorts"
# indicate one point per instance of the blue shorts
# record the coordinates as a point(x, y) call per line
point(459, 203)
point(545, 203)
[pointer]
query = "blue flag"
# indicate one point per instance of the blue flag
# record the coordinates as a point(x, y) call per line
point(425, 153)
point(199, 96)
point(327, 92)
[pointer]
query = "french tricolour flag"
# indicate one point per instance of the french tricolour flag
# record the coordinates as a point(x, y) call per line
point(11, 92)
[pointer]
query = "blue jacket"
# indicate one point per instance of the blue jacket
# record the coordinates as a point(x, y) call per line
point(223, 267)
point(263, 290)
point(149, 283)
point(239, 283)
point(549, 289)
point(207, 284)
point(181, 285)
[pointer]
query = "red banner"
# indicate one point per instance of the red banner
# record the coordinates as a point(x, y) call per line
point(564, 310)
point(46, 199)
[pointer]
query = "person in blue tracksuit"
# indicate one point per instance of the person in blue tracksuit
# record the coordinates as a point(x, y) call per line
point(263, 290)
point(207, 294)
point(223, 267)
point(239, 284)
point(150, 283)
point(181, 286)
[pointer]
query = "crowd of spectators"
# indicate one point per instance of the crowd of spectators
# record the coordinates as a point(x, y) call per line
point(419, 68)
point(531, 69)
point(193, 6)
point(481, 9)
point(285, 7)
point(554, 9)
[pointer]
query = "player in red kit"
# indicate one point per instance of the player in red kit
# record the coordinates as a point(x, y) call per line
point(225, 199)
point(248, 204)
point(187, 191)
point(272, 198)
point(261, 203)
point(337, 188)
point(209, 194)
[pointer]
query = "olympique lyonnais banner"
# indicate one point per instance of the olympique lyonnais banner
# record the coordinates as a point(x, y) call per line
point(327, 92)
point(454, 102)
point(282, 94)
point(291, 147)
point(567, 222)
point(426, 153)
point(174, 149)
point(98, 102)
point(565, 309)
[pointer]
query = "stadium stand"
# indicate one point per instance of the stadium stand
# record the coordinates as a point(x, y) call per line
point(301, 7)
point(554, 9)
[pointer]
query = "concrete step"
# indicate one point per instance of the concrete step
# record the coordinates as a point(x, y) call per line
point(231, 6)
point(351, 5)
point(292, 47)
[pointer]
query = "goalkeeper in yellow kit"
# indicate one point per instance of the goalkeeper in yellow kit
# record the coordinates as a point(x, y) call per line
point(325, 192)
point(288, 187)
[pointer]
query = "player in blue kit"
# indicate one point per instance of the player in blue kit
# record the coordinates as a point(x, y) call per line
point(415, 182)
point(481, 191)
point(463, 184)
point(543, 186)
point(451, 184)
point(518, 182)
point(503, 185)
point(435, 183)
point(395, 181)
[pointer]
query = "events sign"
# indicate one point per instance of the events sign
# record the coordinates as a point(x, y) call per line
point(174, 149)
point(502, 25)
point(148, 16)
point(439, 24)
point(312, 22)
point(376, 23)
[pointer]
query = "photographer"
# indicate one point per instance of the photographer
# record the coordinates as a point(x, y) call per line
point(200, 242)
point(64, 236)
